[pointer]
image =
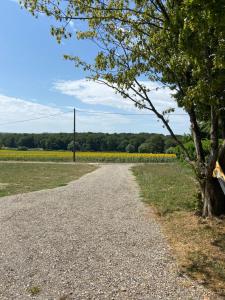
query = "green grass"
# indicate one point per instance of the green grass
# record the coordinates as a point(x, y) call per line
point(26, 177)
point(199, 244)
point(34, 290)
point(170, 188)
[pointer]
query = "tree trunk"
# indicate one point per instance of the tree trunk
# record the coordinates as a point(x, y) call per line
point(213, 198)
point(222, 124)
point(221, 158)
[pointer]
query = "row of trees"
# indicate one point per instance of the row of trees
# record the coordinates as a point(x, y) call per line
point(125, 142)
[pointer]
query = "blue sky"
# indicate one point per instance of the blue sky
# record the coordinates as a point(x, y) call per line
point(36, 81)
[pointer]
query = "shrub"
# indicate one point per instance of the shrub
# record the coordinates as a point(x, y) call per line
point(22, 148)
point(144, 148)
point(130, 148)
point(191, 149)
point(70, 146)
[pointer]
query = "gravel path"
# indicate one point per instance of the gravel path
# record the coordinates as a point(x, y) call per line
point(92, 239)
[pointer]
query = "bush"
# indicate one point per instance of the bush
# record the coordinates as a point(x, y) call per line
point(130, 148)
point(144, 148)
point(22, 148)
point(70, 146)
point(191, 149)
point(157, 144)
point(179, 152)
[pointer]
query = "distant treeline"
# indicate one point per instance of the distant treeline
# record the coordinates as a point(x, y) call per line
point(124, 142)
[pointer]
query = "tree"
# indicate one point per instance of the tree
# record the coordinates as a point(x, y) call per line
point(144, 148)
point(179, 44)
point(71, 145)
point(26, 141)
point(169, 142)
point(52, 143)
point(130, 148)
point(156, 144)
point(122, 145)
point(111, 142)
point(9, 141)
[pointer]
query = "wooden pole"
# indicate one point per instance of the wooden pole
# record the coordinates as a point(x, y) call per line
point(74, 134)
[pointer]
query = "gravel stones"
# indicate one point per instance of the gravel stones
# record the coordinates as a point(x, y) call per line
point(91, 239)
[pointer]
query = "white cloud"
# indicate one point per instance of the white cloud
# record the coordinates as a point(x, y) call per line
point(23, 108)
point(14, 111)
point(94, 93)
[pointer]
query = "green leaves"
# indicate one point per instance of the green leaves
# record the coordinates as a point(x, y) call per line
point(177, 43)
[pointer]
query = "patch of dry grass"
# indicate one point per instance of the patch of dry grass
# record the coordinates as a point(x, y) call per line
point(198, 244)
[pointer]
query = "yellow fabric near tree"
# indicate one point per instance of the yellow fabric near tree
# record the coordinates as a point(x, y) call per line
point(218, 172)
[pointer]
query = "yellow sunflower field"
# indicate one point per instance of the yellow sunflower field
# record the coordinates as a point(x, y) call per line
point(39, 155)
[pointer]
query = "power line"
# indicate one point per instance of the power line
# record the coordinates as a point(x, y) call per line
point(88, 112)
point(33, 119)
point(124, 114)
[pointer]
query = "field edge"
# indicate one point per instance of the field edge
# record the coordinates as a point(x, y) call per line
point(205, 265)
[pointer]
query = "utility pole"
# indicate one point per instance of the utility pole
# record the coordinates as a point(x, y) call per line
point(74, 134)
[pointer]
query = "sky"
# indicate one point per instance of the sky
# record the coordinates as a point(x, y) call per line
point(37, 83)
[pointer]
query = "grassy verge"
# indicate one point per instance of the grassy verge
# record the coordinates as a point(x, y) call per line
point(199, 244)
point(21, 178)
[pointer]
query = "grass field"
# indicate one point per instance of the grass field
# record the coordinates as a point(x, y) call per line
point(26, 177)
point(198, 243)
point(85, 156)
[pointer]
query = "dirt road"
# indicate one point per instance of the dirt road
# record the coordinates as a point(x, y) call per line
point(92, 239)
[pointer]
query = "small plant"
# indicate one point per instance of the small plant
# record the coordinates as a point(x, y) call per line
point(34, 290)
